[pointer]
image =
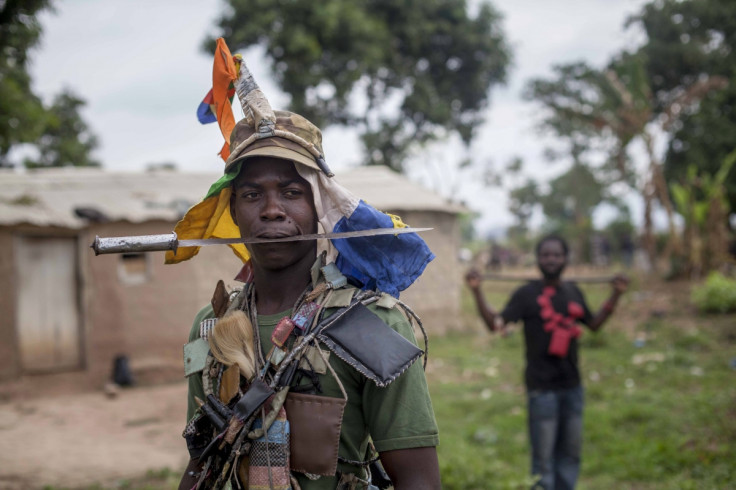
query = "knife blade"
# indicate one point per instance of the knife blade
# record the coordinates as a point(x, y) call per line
point(159, 243)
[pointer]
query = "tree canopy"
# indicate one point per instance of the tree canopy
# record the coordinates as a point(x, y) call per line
point(677, 85)
point(687, 41)
point(21, 111)
point(424, 67)
point(58, 132)
point(65, 141)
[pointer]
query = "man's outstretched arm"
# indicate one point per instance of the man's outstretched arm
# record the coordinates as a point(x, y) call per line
point(490, 317)
point(413, 469)
point(618, 287)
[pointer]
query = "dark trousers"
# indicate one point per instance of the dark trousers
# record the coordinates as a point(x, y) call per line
point(556, 436)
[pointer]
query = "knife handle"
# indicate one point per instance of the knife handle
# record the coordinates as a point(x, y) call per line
point(134, 244)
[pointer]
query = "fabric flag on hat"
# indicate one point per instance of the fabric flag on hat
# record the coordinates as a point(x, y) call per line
point(210, 218)
point(390, 263)
point(217, 104)
point(206, 109)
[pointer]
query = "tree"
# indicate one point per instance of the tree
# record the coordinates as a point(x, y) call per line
point(65, 140)
point(423, 67)
point(706, 236)
point(616, 106)
point(569, 204)
point(523, 198)
point(522, 202)
point(58, 133)
point(585, 107)
point(687, 41)
point(21, 111)
point(620, 233)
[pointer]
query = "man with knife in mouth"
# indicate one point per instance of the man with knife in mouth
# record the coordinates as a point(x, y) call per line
point(307, 377)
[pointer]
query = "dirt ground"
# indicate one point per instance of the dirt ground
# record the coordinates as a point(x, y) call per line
point(84, 439)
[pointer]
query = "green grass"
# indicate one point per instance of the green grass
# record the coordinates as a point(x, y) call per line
point(658, 415)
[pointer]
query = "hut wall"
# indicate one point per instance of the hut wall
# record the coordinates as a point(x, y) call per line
point(9, 362)
point(148, 320)
point(435, 297)
point(145, 318)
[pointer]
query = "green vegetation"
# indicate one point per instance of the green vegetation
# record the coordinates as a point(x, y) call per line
point(433, 62)
point(659, 398)
point(717, 295)
point(674, 84)
point(58, 132)
point(66, 141)
point(21, 110)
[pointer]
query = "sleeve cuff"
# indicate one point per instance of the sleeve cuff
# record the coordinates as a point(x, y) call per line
point(407, 442)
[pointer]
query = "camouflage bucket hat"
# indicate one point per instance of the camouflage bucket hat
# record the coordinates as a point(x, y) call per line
point(292, 137)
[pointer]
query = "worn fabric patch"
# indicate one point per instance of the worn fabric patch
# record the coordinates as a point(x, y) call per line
point(387, 301)
point(340, 298)
point(206, 326)
point(195, 355)
point(304, 315)
point(269, 456)
point(312, 361)
point(281, 332)
point(333, 276)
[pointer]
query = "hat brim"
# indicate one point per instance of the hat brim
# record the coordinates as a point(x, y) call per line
point(274, 147)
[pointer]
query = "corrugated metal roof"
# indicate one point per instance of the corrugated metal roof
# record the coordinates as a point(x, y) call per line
point(50, 197)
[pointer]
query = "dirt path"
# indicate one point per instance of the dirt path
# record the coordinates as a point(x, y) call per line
point(78, 440)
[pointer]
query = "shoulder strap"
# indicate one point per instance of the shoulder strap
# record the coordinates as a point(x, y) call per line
point(414, 319)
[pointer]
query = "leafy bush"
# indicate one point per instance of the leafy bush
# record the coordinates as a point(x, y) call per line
point(717, 295)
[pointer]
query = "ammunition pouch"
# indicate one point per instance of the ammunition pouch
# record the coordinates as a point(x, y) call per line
point(315, 432)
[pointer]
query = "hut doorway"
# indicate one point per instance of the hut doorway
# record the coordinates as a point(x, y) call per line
point(48, 320)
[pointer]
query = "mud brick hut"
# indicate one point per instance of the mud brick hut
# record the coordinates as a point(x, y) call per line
point(65, 314)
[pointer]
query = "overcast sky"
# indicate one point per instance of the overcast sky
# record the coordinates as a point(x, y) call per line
point(140, 67)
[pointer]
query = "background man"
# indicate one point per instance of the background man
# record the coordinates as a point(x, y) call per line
point(550, 310)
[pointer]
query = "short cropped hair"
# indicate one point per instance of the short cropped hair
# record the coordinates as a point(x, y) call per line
point(553, 238)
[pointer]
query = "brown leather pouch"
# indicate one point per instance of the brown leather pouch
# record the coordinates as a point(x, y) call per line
point(315, 423)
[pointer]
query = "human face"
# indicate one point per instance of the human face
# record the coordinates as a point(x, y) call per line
point(271, 200)
point(551, 259)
